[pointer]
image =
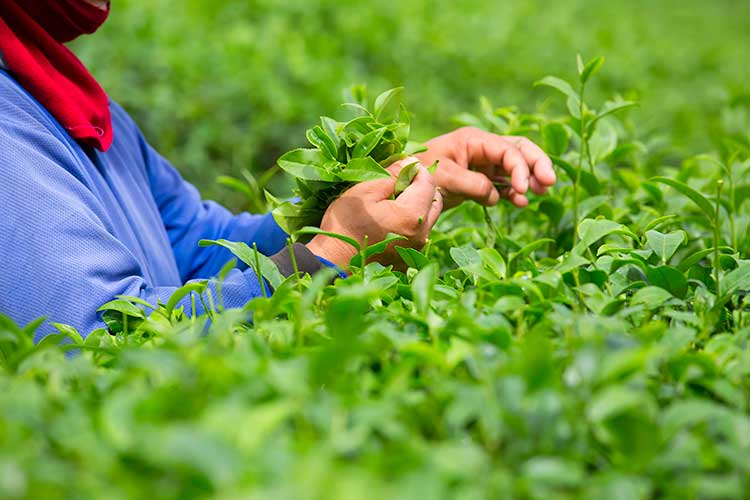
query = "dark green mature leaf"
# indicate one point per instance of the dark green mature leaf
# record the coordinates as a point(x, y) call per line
point(669, 279)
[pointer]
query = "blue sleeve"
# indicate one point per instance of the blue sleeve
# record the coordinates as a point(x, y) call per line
point(188, 219)
point(59, 256)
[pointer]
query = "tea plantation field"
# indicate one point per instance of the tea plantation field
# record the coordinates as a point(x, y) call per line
point(595, 344)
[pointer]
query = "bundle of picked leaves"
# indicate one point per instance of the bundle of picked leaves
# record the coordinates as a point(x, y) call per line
point(344, 154)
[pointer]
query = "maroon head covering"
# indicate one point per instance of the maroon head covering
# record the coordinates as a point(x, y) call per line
point(32, 33)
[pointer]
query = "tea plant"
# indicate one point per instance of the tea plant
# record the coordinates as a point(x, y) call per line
point(595, 344)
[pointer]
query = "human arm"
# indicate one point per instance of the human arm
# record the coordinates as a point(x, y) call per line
point(61, 258)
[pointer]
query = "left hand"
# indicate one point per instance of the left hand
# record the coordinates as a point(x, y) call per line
point(470, 160)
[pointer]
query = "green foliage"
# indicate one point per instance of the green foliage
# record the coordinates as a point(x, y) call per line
point(346, 153)
point(219, 87)
point(523, 354)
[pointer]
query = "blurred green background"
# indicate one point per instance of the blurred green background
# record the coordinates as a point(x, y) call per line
point(218, 86)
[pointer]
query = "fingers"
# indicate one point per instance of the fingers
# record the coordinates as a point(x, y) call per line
point(541, 165)
point(467, 184)
point(435, 210)
point(536, 187)
point(518, 199)
point(521, 159)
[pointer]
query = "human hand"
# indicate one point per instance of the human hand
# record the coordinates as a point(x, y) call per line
point(471, 161)
point(367, 210)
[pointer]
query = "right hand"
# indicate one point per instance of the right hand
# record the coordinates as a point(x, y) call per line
point(367, 210)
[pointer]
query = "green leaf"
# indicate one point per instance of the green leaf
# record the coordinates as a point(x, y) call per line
point(320, 139)
point(69, 332)
point(423, 287)
point(342, 237)
point(591, 68)
point(530, 247)
point(701, 201)
point(651, 296)
point(589, 182)
point(465, 256)
point(555, 138)
point(665, 245)
point(249, 256)
point(292, 216)
point(330, 127)
point(493, 261)
point(559, 85)
point(544, 471)
point(571, 262)
point(592, 230)
point(405, 177)
point(236, 185)
point(736, 280)
point(367, 143)
point(659, 221)
point(388, 104)
point(376, 249)
point(362, 169)
point(614, 401)
point(194, 287)
point(669, 279)
point(610, 107)
point(412, 258)
point(602, 142)
point(124, 307)
point(698, 256)
point(308, 164)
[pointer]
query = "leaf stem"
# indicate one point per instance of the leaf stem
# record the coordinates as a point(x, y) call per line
point(717, 235)
point(258, 272)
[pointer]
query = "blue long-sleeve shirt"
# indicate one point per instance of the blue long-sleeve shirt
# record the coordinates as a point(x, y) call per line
point(78, 226)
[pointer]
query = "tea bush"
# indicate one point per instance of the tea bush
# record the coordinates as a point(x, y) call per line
point(593, 345)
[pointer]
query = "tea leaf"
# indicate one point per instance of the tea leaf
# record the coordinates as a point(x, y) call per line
point(405, 177)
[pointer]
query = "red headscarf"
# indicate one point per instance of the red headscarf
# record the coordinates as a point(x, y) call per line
point(32, 33)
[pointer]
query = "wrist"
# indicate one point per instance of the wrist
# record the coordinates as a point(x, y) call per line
point(332, 250)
